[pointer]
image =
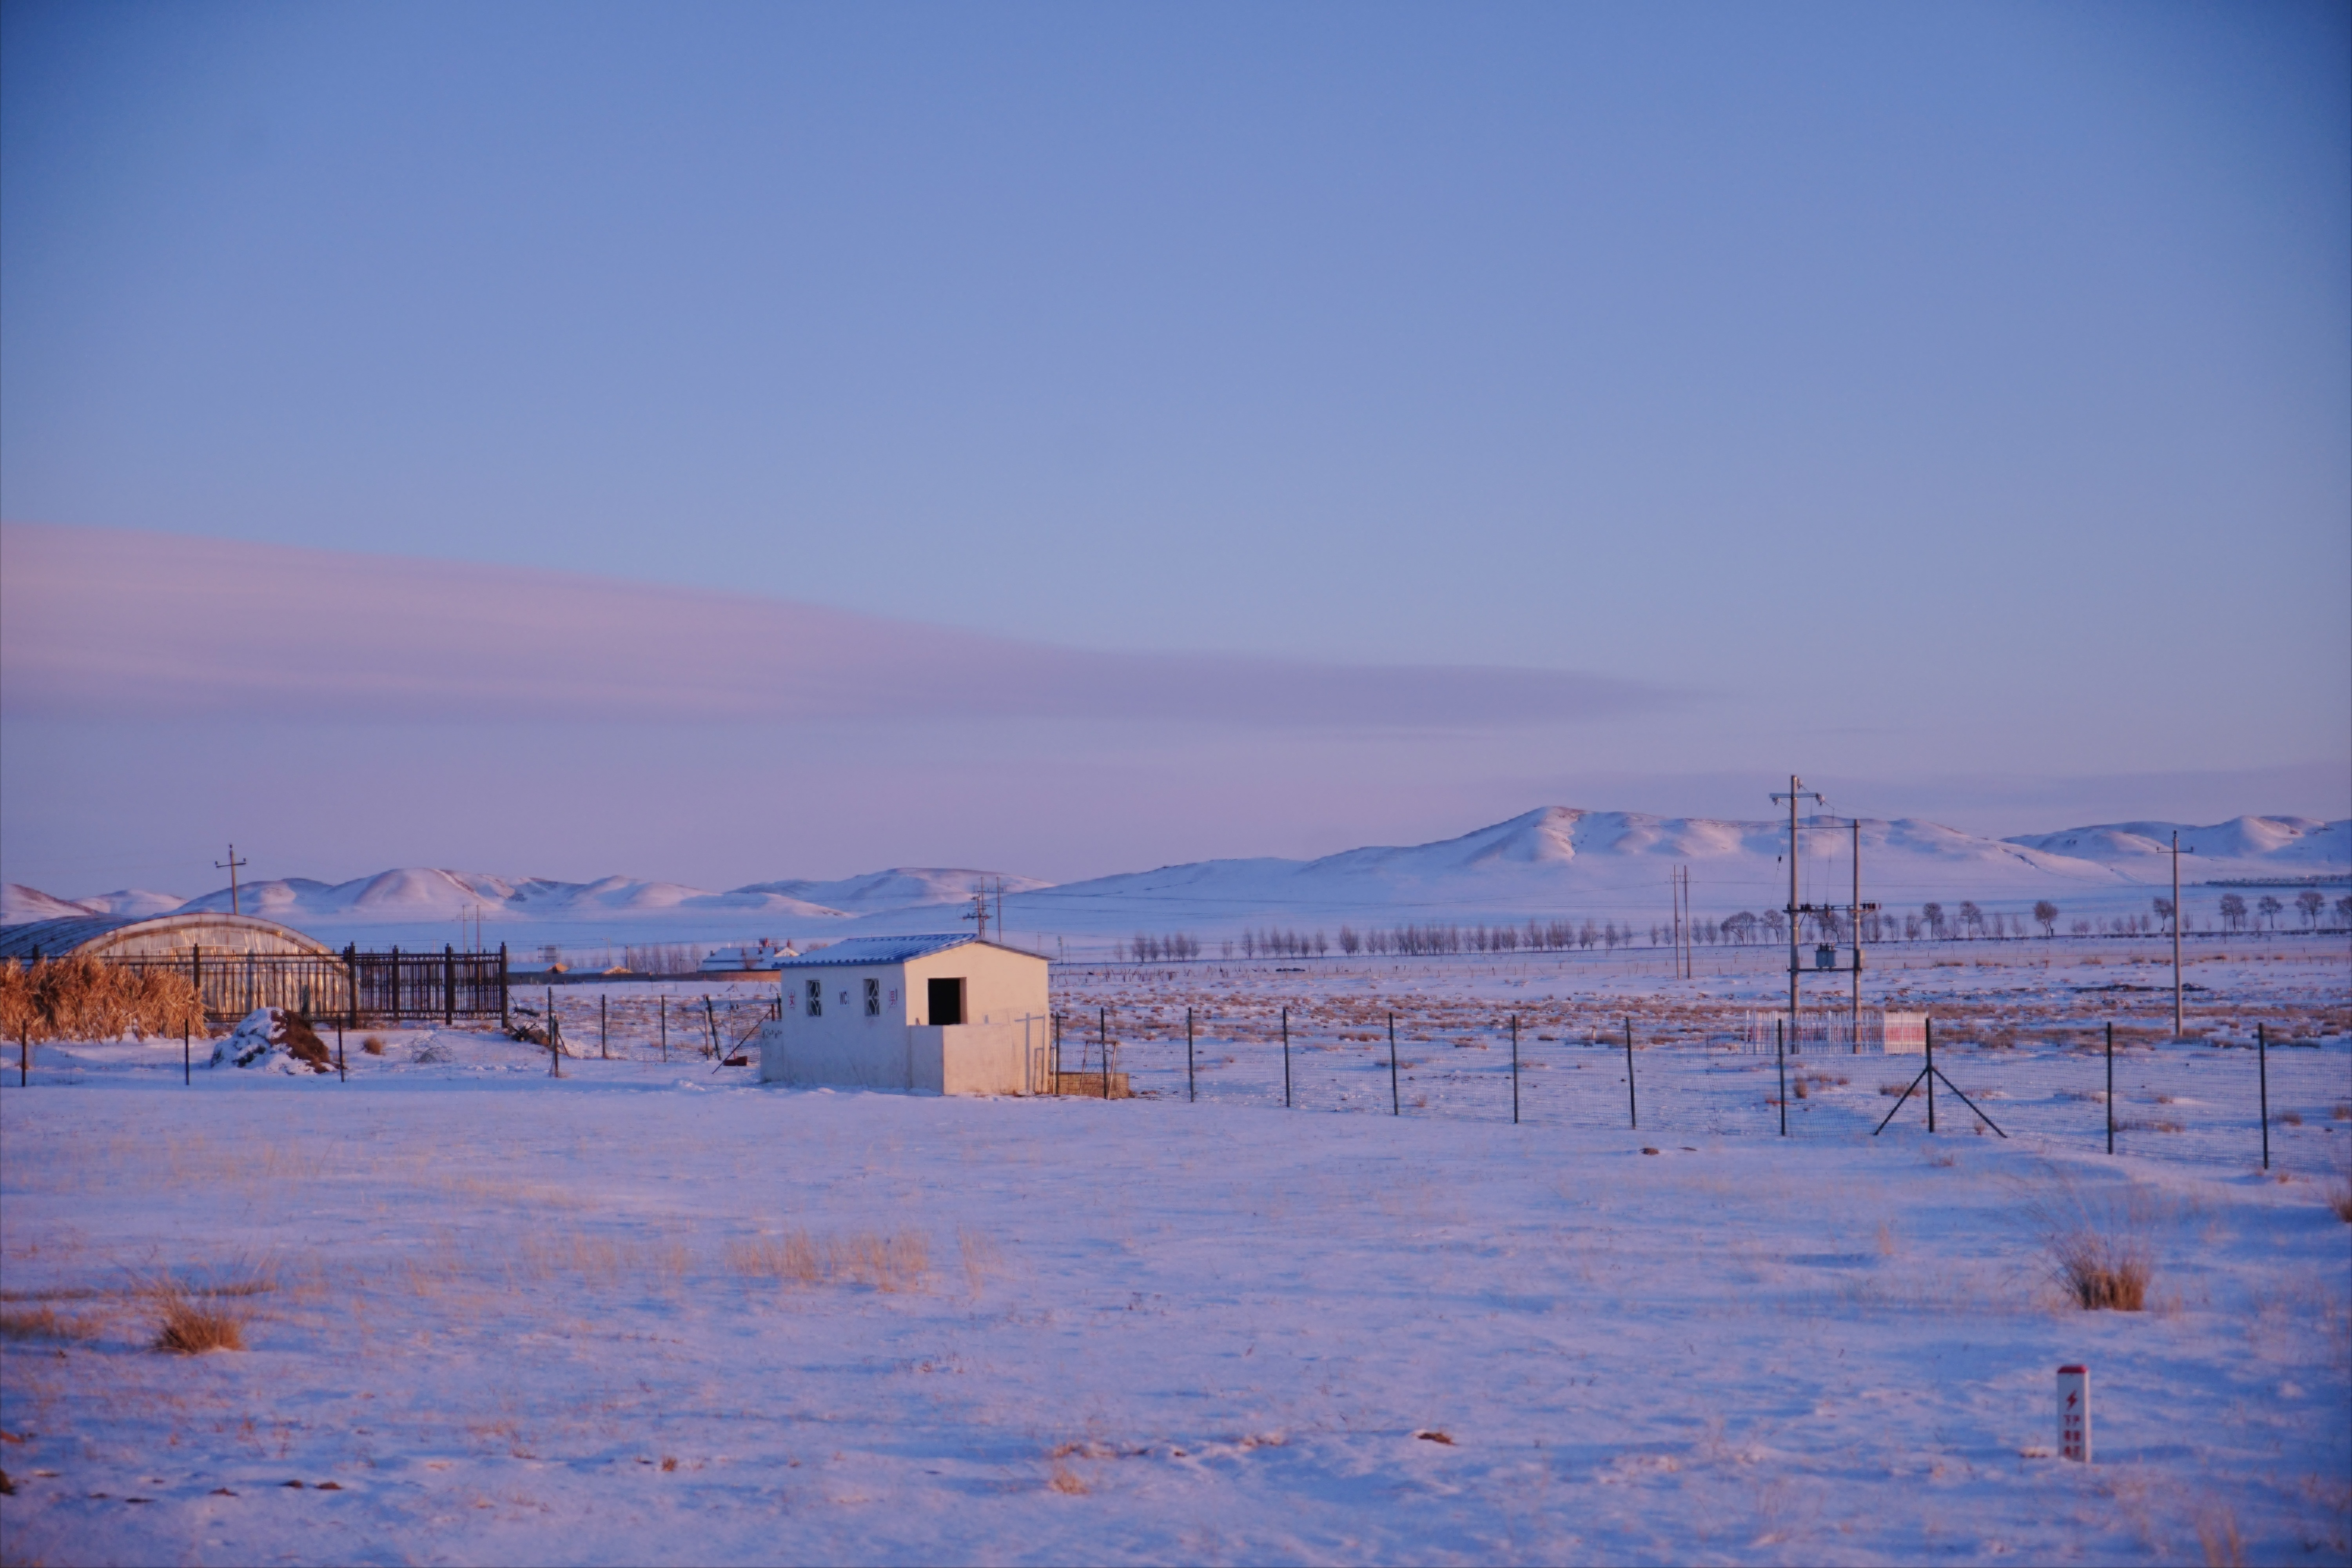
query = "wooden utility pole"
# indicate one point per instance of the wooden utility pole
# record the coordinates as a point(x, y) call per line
point(230, 865)
point(2175, 934)
point(1674, 891)
point(1854, 1032)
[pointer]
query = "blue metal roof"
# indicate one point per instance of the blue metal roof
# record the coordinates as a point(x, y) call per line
point(873, 949)
point(57, 938)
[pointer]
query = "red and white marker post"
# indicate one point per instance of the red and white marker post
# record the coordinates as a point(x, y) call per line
point(2075, 1413)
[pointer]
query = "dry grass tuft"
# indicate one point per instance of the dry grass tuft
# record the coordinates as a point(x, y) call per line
point(2218, 1534)
point(2102, 1272)
point(44, 1323)
point(895, 1262)
point(981, 1258)
point(2290, 1118)
point(193, 1324)
point(372, 1046)
point(1060, 1478)
point(82, 999)
point(2339, 1198)
point(2098, 1245)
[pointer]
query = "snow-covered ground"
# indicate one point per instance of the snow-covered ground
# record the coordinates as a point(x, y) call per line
point(651, 1311)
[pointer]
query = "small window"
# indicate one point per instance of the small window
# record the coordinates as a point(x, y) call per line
point(873, 997)
point(816, 997)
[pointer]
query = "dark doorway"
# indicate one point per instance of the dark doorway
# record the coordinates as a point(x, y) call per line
point(947, 1001)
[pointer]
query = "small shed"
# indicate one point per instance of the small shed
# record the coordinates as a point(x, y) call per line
point(951, 1013)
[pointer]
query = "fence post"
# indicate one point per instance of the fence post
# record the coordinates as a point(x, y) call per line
point(1931, 1075)
point(1780, 1055)
point(1632, 1111)
point(1191, 1087)
point(449, 986)
point(503, 1020)
point(187, 1061)
point(1286, 1058)
point(664, 1003)
point(1396, 1106)
point(710, 1022)
point(342, 1065)
point(24, 1055)
point(1514, 1069)
point(554, 1031)
point(604, 1029)
point(2263, 1067)
point(1057, 1053)
point(1102, 1044)
point(2111, 1086)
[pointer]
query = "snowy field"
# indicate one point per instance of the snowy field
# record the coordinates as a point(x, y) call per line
point(653, 1312)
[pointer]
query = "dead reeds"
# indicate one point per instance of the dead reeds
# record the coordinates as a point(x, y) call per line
point(894, 1262)
point(44, 1323)
point(194, 1323)
point(80, 998)
point(2101, 1273)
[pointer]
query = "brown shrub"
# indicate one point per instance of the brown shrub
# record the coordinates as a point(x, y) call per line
point(18, 1015)
point(302, 1043)
point(887, 1263)
point(372, 1046)
point(2341, 1199)
point(2102, 1272)
point(80, 998)
point(192, 1324)
point(44, 1323)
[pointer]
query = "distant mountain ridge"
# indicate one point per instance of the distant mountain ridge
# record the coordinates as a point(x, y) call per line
point(2248, 845)
point(432, 894)
point(1552, 859)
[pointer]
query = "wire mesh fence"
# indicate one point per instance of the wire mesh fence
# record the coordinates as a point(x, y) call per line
point(640, 1026)
point(2199, 1100)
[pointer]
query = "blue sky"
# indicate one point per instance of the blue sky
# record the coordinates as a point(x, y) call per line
point(1953, 402)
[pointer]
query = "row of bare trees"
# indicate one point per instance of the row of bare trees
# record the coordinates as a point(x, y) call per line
point(1932, 921)
point(1145, 948)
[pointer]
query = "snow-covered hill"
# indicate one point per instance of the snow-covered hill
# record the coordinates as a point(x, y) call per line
point(902, 886)
point(19, 903)
point(1550, 862)
point(2242, 846)
point(1560, 860)
point(422, 894)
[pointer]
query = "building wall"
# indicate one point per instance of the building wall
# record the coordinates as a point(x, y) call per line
point(967, 1059)
point(1000, 987)
point(1006, 1029)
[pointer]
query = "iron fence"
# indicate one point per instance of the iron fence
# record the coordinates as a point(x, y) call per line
point(356, 987)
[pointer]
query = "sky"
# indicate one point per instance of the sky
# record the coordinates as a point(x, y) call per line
point(727, 443)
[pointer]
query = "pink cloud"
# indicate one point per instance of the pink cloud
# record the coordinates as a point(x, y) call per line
point(113, 623)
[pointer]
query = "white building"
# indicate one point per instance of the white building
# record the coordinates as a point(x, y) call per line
point(944, 1014)
point(763, 955)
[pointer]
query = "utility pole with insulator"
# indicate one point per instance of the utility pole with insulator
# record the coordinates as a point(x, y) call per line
point(1796, 792)
point(232, 863)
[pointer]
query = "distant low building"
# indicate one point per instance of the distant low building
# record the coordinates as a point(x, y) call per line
point(949, 1013)
point(756, 957)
